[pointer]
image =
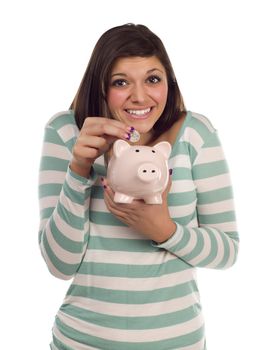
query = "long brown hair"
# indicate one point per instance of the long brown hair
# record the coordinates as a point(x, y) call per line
point(124, 41)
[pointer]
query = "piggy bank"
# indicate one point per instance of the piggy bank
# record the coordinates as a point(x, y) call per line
point(139, 172)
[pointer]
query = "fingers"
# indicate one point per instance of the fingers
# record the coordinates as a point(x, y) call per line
point(95, 138)
point(94, 126)
point(112, 205)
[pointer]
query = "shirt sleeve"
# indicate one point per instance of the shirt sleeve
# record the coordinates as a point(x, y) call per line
point(64, 199)
point(214, 243)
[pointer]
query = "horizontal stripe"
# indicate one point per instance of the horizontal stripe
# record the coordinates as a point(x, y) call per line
point(51, 177)
point(133, 271)
point(101, 218)
point(213, 183)
point(53, 163)
point(46, 190)
point(115, 232)
point(152, 257)
point(207, 155)
point(183, 198)
point(54, 150)
point(210, 219)
point(129, 323)
point(135, 310)
point(134, 297)
point(180, 161)
point(215, 196)
point(215, 208)
point(121, 244)
point(224, 226)
point(181, 174)
point(182, 186)
point(135, 284)
point(206, 170)
point(183, 211)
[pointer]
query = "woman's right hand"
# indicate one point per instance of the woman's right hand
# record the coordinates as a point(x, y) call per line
point(95, 138)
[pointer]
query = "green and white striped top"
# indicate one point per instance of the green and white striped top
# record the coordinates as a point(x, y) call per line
point(128, 293)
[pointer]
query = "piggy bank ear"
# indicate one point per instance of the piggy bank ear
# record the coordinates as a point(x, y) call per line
point(164, 148)
point(119, 147)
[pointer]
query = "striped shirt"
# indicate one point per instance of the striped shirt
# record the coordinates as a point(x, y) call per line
point(127, 292)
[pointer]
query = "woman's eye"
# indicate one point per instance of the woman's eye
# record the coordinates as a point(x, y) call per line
point(154, 79)
point(119, 82)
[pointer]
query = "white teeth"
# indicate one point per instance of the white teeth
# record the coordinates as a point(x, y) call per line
point(138, 111)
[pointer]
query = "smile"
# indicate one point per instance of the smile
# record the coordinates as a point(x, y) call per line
point(138, 112)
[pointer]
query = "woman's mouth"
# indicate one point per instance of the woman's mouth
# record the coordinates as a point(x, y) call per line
point(139, 113)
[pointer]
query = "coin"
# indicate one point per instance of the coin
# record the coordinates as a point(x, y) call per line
point(134, 136)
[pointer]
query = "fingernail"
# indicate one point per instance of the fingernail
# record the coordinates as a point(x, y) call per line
point(104, 186)
point(102, 179)
point(170, 172)
point(131, 129)
point(127, 136)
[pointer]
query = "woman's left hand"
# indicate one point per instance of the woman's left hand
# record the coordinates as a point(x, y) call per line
point(151, 220)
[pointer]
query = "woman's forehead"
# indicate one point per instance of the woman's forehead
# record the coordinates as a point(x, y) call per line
point(126, 65)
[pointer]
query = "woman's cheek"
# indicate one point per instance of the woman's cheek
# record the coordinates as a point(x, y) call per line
point(115, 99)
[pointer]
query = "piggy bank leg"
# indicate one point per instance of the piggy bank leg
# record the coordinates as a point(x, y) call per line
point(122, 198)
point(155, 199)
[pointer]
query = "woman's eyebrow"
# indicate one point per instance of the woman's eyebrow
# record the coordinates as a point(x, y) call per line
point(153, 69)
point(148, 72)
point(121, 74)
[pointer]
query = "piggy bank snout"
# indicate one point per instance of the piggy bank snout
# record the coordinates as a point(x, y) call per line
point(148, 172)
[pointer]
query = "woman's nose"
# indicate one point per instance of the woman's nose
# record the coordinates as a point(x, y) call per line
point(138, 94)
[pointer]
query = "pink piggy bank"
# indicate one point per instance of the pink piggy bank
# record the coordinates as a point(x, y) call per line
point(139, 172)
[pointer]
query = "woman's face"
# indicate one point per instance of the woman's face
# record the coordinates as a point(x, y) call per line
point(137, 92)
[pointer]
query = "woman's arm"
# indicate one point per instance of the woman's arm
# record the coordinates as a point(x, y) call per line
point(65, 188)
point(64, 199)
point(214, 243)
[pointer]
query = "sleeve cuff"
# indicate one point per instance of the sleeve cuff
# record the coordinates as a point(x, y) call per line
point(172, 241)
point(78, 181)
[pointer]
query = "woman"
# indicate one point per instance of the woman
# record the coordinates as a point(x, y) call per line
point(133, 265)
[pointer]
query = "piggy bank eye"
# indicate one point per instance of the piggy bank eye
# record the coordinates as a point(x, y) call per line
point(153, 151)
point(137, 150)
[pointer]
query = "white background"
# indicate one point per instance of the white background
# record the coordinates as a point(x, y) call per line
point(223, 56)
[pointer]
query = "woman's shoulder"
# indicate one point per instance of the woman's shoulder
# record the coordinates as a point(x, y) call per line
point(196, 125)
point(198, 120)
point(63, 123)
point(61, 119)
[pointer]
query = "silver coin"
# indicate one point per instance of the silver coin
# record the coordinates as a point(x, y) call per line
point(134, 136)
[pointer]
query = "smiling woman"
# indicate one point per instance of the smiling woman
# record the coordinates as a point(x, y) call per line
point(138, 93)
point(133, 264)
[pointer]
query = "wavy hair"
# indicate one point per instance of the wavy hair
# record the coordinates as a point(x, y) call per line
point(129, 40)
